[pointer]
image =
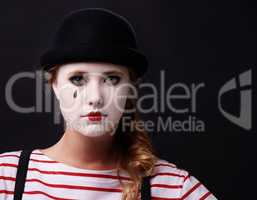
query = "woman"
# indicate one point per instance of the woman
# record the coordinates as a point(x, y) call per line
point(93, 66)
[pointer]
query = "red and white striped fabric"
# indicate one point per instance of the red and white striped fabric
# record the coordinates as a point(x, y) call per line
point(49, 179)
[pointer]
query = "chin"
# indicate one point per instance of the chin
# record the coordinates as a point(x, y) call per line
point(95, 130)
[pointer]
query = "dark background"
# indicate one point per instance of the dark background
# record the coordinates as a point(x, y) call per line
point(194, 41)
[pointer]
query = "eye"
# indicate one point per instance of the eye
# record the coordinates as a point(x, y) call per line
point(77, 80)
point(112, 79)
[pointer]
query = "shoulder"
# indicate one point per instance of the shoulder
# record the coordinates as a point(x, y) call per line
point(9, 162)
point(9, 158)
point(167, 172)
point(167, 180)
point(8, 170)
point(170, 181)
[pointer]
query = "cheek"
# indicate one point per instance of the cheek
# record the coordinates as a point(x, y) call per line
point(115, 102)
point(120, 98)
point(68, 98)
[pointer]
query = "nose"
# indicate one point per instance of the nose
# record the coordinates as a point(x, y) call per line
point(94, 97)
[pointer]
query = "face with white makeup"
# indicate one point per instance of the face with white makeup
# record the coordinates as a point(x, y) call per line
point(92, 96)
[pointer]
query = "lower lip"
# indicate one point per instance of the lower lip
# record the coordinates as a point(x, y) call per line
point(95, 118)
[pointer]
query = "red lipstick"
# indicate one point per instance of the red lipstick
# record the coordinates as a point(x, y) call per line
point(95, 116)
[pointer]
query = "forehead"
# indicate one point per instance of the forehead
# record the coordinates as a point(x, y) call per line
point(92, 67)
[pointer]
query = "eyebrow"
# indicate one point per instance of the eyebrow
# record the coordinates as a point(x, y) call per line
point(105, 73)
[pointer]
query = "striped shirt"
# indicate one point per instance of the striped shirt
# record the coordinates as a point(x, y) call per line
point(50, 179)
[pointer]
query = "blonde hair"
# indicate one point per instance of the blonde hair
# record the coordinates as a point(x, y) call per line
point(135, 153)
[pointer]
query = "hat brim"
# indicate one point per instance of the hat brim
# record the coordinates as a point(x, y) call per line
point(128, 57)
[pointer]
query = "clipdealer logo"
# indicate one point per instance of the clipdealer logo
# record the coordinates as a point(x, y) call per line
point(242, 84)
point(162, 97)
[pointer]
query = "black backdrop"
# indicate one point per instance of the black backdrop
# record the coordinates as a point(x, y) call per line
point(205, 41)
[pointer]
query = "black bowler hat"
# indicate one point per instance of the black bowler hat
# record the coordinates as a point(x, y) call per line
point(95, 34)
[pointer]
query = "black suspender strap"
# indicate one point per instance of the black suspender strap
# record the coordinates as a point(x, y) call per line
point(21, 174)
point(146, 188)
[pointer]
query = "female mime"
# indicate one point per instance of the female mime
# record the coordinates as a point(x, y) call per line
point(93, 65)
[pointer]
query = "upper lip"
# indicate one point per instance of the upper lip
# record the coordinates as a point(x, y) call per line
point(94, 113)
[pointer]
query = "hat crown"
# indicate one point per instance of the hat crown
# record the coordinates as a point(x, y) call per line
point(97, 27)
point(94, 34)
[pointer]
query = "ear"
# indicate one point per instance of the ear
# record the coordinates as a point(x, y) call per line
point(56, 90)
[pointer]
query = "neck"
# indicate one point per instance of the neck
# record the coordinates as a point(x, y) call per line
point(84, 152)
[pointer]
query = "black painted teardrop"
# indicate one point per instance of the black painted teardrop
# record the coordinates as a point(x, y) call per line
point(75, 94)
